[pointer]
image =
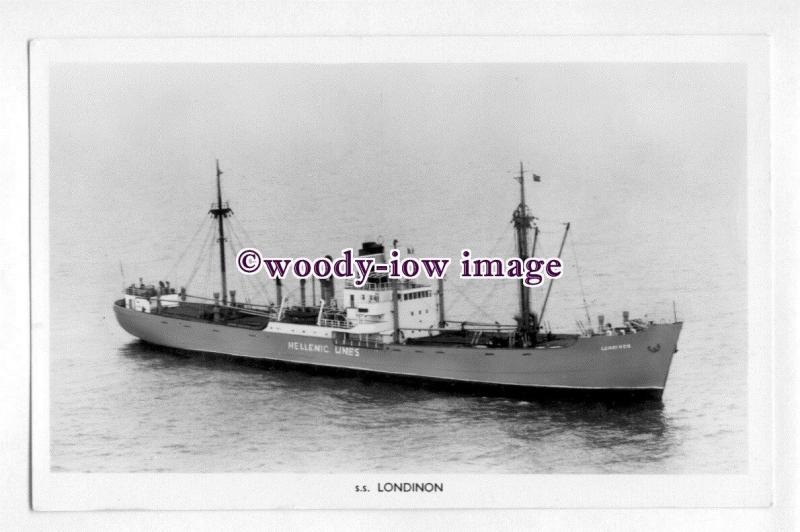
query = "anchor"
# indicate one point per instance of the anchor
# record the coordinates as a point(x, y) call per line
point(655, 349)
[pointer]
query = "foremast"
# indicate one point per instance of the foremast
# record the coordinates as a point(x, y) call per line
point(220, 212)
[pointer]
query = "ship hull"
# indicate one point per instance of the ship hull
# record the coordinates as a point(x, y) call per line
point(628, 364)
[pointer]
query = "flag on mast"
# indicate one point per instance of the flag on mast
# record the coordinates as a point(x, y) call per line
point(536, 178)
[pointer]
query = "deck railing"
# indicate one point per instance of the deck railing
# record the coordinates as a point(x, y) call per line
point(368, 341)
point(379, 287)
point(336, 324)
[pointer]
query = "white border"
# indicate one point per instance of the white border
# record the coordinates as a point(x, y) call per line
point(67, 491)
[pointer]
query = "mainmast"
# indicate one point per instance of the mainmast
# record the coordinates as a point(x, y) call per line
point(221, 211)
point(522, 222)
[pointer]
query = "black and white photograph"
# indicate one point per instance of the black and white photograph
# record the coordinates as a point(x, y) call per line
point(314, 159)
point(404, 278)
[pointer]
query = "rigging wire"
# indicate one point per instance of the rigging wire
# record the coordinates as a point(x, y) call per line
point(471, 302)
point(504, 235)
point(259, 285)
point(463, 296)
point(175, 265)
point(246, 282)
point(207, 279)
point(201, 255)
point(497, 285)
point(240, 227)
point(286, 293)
point(580, 284)
point(290, 294)
point(244, 232)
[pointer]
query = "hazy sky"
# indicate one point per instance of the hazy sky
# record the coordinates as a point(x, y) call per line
point(576, 120)
point(679, 128)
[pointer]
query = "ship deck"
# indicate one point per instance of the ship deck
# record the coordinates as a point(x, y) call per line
point(204, 312)
point(489, 338)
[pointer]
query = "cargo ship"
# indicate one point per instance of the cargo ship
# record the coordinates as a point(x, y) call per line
point(397, 328)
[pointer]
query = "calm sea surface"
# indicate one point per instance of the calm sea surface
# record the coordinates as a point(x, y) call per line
point(119, 405)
